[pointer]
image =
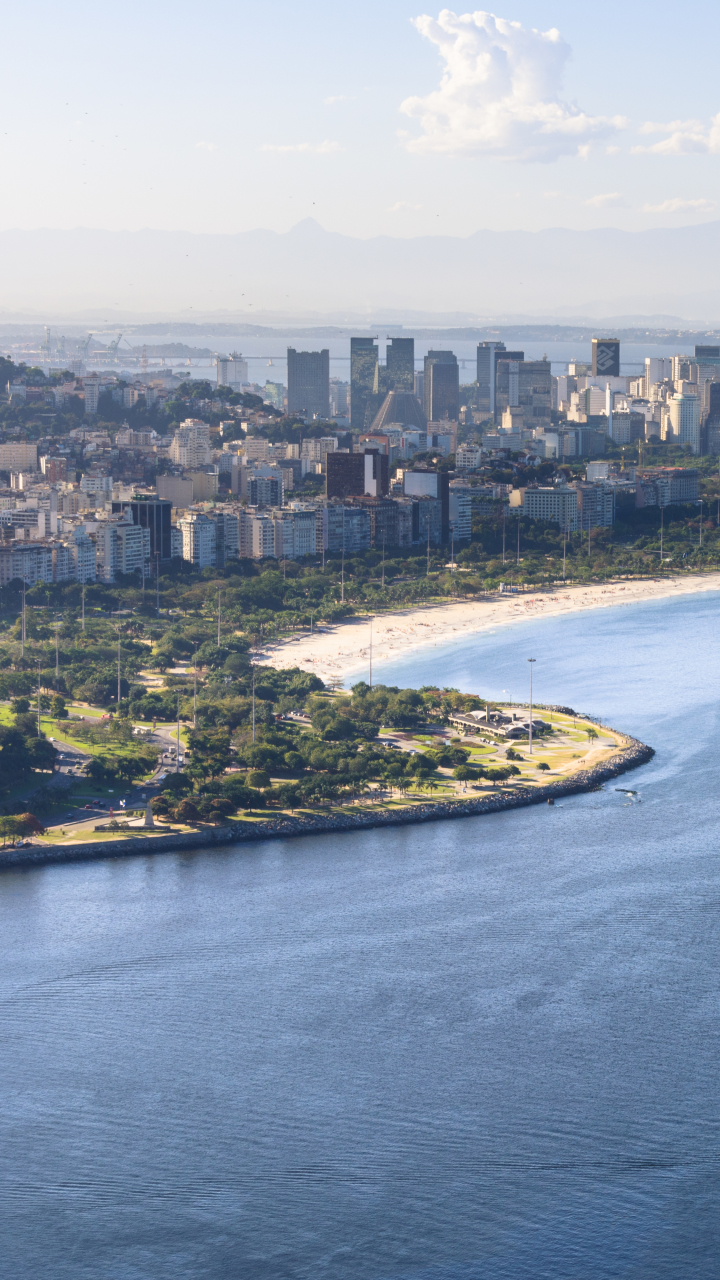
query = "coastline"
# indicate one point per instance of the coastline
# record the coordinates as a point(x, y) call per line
point(336, 652)
point(286, 826)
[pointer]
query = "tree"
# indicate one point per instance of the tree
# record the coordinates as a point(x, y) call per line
point(211, 754)
point(544, 766)
point(19, 706)
point(186, 811)
point(591, 733)
point(57, 707)
point(259, 778)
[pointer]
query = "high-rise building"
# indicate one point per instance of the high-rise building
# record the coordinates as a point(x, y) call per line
point(363, 381)
point(154, 514)
point(525, 385)
point(431, 484)
point(91, 387)
point(606, 357)
point(441, 388)
point(685, 419)
point(558, 504)
point(400, 365)
point(199, 540)
point(487, 355)
point(657, 369)
point(191, 444)
point(18, 454)
point(232, 370)
point(309, 382)
point(355, 474)
point(701, 353)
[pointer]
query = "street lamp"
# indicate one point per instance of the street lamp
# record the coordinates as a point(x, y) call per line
point(530, 660)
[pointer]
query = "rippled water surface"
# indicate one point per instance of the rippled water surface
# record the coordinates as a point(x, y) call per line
point(477, 1050)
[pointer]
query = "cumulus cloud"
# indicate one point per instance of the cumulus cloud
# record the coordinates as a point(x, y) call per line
point(402, 204)
point(206, 146)
point(318, 148)
point(499, 94)
point(684, 137)
point(339, 97)
point(677, 205)
point(608, 197)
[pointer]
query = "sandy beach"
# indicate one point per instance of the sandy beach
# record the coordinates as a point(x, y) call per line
point(339, 651)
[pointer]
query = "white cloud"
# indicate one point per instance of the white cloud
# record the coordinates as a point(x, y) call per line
point(551, 195)
point(678, 205)
point(318, 148)
point(402, 204)
point(684, 137)
point(340, 97)
point(608, 197)
point(206, 146)
point(499, 94)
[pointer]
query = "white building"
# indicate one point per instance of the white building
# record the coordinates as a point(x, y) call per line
point(91, 387)
point(31, 562)
point(468, 457)
point(96, 484)
point(191, 444)
point(84, 556)
point(261, 537)
point(18, 455)
point(295, 532)
point(232, 370)
point(685, 420)
point(199, 540)
point(559, 504)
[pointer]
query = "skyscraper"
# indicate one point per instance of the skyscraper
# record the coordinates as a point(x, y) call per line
point(309, 382)
point(486, 360)
point(400, 365)
point(441, 390)
point(363, 381)
point(606, 357)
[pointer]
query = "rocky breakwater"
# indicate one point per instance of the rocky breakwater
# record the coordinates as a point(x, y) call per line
point(630, 756)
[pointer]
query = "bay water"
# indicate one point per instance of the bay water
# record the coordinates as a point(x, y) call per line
point(483, 1049)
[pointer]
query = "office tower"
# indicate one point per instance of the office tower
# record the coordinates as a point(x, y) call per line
point(525, 385)
point(363, 381)
point(431, 484)
point(657, 369)
point(309, 382)
point(154, 514)
point(91, 387)
point(419, 386)
point(606, 357)
point(702, 353)
point(232, 370)
point(400, 365)
point(399, 408)
point(486, 358)
point(355, 474)
point(685, 419)
point(441, 392)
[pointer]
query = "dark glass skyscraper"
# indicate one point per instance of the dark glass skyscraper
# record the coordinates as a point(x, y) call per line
point(309, 382)
point(441, 390)
point(400, 365)
point(363, 381)
point(606, 357)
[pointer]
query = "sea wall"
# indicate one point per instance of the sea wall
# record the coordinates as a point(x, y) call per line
point(630, 757)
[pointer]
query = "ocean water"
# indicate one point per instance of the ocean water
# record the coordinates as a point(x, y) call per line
point(484, 1049)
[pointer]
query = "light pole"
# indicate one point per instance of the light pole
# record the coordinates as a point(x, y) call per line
point(22, 649)
point(118, 697)
point(218, 640)
point(662, 530)
point(530, 660)
point(342, 561)
point(503, 532)
point(701, 507)
point(371, 639)
point(195, 688)
point(383, 565)
point(253, 704)
point(177, 740)
point(38, 699)
point(157, 583)
point(57, 659)
point(83, 605)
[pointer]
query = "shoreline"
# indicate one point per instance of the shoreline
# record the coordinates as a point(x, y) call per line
point(285, 826)
point(341, 650)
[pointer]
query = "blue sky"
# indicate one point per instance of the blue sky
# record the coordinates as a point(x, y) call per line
point(170, 116)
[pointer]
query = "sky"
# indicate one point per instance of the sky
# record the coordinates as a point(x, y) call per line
point(375, 118)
